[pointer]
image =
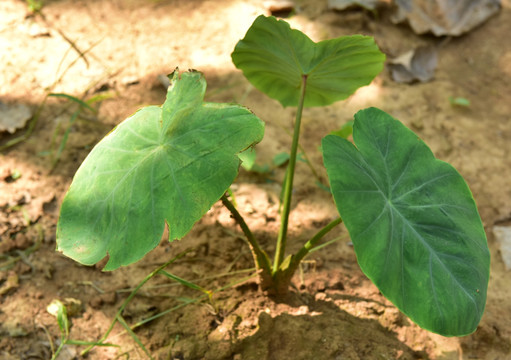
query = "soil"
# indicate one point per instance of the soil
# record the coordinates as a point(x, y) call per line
point(116, 50)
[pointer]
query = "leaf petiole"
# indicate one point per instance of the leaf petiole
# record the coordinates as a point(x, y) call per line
point(288, 184)
point(260, 257)
point(310, 245)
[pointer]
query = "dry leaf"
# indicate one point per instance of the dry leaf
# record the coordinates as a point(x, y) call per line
point(415, 65)
point(444, 17)
point(13, 117)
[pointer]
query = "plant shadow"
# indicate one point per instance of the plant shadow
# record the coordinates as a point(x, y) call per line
point(325, 332)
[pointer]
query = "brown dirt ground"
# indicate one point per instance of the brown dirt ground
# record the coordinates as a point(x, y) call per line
point(335, 312)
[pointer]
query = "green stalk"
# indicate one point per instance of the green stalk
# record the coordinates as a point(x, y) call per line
point(282, 277)
point(288, 185)
point(310, 245)
point(260, 257)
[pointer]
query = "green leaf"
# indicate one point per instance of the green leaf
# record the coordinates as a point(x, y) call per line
point(459, 101)
point(413, 222)
point(248, 158)
point(274, 58)
point(248, 161)
point(163, 164)
point(58, 309)
point(345, 131)
point(280, 159)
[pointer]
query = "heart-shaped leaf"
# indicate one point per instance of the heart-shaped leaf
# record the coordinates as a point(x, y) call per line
point(413, 222)
point(274, 58)
point(163, 164)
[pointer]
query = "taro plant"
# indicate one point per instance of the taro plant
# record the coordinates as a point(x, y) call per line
point(411, 217)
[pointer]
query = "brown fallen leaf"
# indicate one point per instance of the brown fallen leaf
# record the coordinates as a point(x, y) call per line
point(13, 117)
point(444, 17)
point(414, 65)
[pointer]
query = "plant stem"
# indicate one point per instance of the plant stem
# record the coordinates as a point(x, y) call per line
point(282, 277)
point(309, 245)
point(304, 153)
point(288, 185)
point(260, 257)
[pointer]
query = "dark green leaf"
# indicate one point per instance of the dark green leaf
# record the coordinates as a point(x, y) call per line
point(413, 222)
point(274, 58)
point(163, 164)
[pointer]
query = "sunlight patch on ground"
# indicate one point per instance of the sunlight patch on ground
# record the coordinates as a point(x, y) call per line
point(368, 95)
